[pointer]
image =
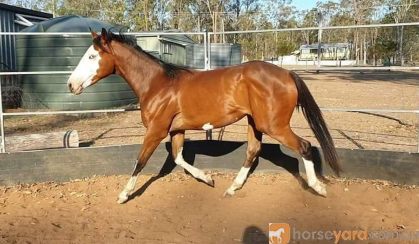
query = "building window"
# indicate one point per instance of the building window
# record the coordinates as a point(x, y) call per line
point(313, 50)
point(167, 47)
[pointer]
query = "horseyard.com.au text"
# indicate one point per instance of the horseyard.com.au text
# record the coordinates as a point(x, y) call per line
point(282, 233)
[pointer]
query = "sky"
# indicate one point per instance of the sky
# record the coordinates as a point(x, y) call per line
point(307, 4)
point(304, 4)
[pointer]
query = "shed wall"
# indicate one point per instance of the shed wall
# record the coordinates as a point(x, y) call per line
point(10, 86)
point(176, 55)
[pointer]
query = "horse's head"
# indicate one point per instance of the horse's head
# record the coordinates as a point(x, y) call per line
point(96, 64)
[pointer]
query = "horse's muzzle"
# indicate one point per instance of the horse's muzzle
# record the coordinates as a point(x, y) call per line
point(70, 87)
point(75, 90)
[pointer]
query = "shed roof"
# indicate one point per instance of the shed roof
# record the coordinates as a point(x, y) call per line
point(70, 23)
point(324, 45)
point(26, 11)
point(178, 39)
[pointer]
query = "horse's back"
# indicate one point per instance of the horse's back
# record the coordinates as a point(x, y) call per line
point(225, 95)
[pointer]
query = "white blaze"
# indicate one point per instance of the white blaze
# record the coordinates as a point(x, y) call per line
point(85, 70)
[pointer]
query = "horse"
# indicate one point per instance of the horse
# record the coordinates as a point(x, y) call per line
point(277, 234)
point(174, 99)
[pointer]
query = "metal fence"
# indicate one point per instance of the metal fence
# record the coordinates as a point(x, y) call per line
point(318, 66)
point(206, 36)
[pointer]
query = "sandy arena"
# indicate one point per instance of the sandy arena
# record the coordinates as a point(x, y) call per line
point(178, 209)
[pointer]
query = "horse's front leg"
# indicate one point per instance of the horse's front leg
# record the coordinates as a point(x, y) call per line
point(154, 135)
point(178, 139)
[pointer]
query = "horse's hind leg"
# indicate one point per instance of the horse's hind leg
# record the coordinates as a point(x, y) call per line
point(178, 138)
point(302, 147)
point(254, 141)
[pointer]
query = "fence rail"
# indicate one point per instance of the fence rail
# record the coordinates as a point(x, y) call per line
point(207, 58)
point(331, 68)
point(88, 33)
point(317, 28)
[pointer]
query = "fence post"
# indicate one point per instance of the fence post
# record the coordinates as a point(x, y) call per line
point(319, 39)
point(417, 128)
point(209, 50)
point(206, 50)
point(2, 142)
point(208, 133)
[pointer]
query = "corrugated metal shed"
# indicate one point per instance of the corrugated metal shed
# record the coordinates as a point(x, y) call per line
point(182, 50)
point(222, 55)
point(225, 54)
point(169, 48)
point(11, 89)
point(8, 24)
point(195, 56)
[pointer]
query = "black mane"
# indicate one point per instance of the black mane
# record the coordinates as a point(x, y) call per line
point(170, 70)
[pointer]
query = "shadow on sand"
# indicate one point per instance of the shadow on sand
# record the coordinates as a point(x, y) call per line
point(270, 152)
point(254, 235)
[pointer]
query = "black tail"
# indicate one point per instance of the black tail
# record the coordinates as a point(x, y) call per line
point(317, 124)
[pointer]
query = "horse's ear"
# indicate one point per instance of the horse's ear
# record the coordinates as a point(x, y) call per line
point(104, 35)
point(94, 34)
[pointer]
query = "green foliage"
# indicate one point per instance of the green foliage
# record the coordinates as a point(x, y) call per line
point(385, 48)
point(218, 15)
point(285, 47)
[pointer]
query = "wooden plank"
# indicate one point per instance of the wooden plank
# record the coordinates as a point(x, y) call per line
point(61, 139)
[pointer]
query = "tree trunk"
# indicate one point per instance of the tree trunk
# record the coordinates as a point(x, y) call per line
point(364, 44)
point(146, 14)
point(401, 47)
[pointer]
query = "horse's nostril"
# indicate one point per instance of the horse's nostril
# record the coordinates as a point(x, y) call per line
point(70, 87)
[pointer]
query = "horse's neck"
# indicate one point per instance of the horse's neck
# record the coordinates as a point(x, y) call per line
point(139, 70)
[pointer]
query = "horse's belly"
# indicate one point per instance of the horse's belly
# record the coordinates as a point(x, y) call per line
point(205, 120)
point(212, 104)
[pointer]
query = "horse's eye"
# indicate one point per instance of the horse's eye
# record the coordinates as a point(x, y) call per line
point(92, 56)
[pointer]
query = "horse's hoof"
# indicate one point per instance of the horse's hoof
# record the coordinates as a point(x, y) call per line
point(229, 193)
point(209, 181)
point(320, 188)
point(123, 197)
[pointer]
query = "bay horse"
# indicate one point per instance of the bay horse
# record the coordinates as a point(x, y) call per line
point(174, 99)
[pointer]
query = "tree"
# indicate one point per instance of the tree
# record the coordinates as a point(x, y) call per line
point(385, 49)
point(215, 9)
point(284, 48)
point(144, 15)
point(309, 20)
point(399, 10)
point(220, 15)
